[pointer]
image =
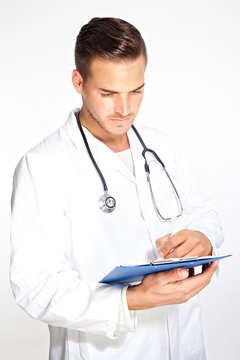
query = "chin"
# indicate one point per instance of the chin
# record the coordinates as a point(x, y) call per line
point(119, 130)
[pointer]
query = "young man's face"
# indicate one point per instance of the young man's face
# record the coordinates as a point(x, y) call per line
point(112, 95)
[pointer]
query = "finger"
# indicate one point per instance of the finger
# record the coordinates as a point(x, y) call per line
point(201, 280)
point(209, 270)
point(195, 251)
point(161, 241)
point(171, 276)
point(181, 250)
point(193, 293)
point(191, 286)
point(171, 243)
point(203, 283)
point(162, 278)
point(206, 245)
point(206, 266)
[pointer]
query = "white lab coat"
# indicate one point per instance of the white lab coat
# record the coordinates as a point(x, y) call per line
point(62, 245)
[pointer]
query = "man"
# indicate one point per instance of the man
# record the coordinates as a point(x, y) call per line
point(64, 243)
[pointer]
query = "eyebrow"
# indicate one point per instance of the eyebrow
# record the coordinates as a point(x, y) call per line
point(116, 92)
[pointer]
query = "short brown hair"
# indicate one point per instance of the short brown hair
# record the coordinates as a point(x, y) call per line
point(107, 38)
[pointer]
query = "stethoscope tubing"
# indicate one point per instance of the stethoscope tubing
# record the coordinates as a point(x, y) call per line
point(107, 202)
point(105, 188)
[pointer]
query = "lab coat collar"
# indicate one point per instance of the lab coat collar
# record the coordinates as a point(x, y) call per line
point(103, 155)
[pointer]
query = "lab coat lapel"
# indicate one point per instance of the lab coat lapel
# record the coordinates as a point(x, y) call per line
point(137, 149)
point(104, 157)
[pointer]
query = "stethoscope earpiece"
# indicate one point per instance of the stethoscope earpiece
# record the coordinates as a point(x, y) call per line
point(107, 203)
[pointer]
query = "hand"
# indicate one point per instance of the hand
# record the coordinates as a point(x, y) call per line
point(184, 243)
point(168, 287)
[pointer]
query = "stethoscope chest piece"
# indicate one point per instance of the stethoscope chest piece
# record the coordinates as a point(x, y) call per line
point(107, 203)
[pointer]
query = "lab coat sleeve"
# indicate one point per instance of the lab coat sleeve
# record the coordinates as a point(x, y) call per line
point(199, 213)
point(44, 284)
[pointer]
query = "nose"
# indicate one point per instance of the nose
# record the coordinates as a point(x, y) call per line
point(122, 105)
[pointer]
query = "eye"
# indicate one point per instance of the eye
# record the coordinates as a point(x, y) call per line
point(106, 94)
point(137, 92)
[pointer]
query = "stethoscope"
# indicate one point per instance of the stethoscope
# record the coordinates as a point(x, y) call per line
point(107, 202)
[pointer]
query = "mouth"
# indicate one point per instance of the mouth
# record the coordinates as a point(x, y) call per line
point(121, 120)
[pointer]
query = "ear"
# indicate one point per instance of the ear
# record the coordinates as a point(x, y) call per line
point(77, 81)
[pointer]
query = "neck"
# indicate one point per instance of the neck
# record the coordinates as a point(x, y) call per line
point(116, 143)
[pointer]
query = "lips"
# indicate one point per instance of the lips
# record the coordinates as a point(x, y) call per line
point(121, 120)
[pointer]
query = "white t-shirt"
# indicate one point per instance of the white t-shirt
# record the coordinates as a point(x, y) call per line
point(126, 157)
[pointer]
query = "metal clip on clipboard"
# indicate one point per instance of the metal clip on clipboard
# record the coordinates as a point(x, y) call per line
point(175, 260)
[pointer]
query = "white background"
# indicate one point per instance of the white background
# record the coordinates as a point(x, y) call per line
point(192, 92)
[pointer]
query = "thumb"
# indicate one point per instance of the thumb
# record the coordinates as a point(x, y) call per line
point(176, 275)
point(160, 241)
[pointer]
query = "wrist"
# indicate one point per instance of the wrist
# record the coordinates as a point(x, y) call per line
point(134, 297)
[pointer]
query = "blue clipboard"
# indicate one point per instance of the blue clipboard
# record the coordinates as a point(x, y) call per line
point(134, 273)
